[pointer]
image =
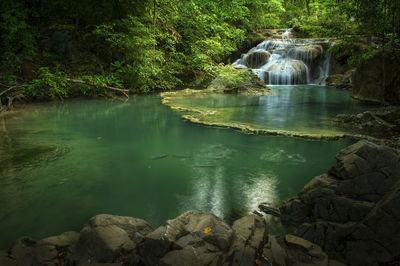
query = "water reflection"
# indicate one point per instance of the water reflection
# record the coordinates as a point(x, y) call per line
point(301, 109)
point(80, 175)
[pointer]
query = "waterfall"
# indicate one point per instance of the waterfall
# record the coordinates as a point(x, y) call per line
point(288, 61)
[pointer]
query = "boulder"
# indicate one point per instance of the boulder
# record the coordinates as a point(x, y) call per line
point(353, 208)
point(204, 233)
point(250, 236)
point(293, 250)
point(341, 81)
point(235, 81)
point(49, 251)
point(256, 58)
point(107, 237)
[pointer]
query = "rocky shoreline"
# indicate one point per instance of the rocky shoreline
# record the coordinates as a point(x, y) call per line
point(382, 123)
point(349, 215)
point(353, 211)
point(193, 238)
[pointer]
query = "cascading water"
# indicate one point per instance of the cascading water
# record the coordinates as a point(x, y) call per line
point(288, 61)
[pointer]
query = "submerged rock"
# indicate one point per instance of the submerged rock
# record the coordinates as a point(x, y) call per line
point(352, 212)
point(380, 123)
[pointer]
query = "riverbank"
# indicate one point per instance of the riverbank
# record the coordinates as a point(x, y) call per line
point(358, 214)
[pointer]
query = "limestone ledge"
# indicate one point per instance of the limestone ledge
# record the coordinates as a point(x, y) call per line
point(201, 116)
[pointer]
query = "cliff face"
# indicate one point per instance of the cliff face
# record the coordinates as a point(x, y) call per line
point(378, 80)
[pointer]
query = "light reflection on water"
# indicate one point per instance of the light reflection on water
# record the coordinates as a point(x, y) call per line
point(148, 163)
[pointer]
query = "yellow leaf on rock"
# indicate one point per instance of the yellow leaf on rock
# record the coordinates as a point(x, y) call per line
point(206, 230)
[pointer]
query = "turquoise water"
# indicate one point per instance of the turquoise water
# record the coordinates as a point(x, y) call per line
point(139, 158)
point(301, 109)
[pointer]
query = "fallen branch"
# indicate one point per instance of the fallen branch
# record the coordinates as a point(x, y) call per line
point(11, 88)
point(123, 91)
point(16, 95)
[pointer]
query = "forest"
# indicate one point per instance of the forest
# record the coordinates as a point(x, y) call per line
point(144, 46)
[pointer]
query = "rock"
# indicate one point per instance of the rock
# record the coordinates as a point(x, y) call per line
point(250, 236)
point(5, 259)
point(342, 81)
point(380, 123)
point(203, 232)
point(267, 209)
point(294, 70)
point(66, 239)
point(354, 208)
point(108, 237)
point(235, 81)
point(193, 238)
point(377, 80)
point(292, 250)
point(256, 59)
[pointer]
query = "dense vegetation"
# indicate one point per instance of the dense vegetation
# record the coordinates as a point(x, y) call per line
point(160, 44)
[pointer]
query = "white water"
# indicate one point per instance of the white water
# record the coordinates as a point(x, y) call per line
point(288, 61)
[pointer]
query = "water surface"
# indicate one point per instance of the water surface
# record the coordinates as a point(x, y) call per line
point(140, 159)
point(304, 110)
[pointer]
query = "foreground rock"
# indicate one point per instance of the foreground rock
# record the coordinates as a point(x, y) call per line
point(353, 211)
point(193, 238)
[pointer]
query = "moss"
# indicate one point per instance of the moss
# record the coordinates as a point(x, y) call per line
point(231, 80)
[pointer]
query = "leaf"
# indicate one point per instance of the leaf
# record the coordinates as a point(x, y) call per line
point(207, 230)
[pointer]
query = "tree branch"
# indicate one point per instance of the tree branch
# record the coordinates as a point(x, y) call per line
point(123, 91)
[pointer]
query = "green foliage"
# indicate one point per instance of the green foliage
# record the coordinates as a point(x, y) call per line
point(352, 51)
point(48, 84)
point(159, 44)
point(232, 78)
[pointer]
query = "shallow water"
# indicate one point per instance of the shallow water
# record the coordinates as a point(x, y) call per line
point(305, 110)
point(140, 159)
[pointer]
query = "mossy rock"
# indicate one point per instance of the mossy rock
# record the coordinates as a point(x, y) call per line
point(231, 80)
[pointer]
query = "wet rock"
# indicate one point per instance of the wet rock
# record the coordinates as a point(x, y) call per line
point(256, 59)
point(286, 72)
point(268, 209)
point(354, 208)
